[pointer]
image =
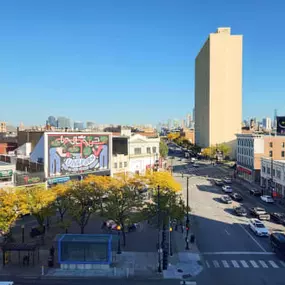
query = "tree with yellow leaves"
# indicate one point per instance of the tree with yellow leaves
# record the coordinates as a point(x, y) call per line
point(39, 202)
point(173, 136)
point(11, 207)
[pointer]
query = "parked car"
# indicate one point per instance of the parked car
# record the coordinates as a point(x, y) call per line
point(255, 192)
point(278, 218)
point(267, 199)
point(240, 211)
point(258, 227)
point(226, 199)
point(219, 182)
point(277, 241)
point(228, 180)
point(227, 189)
point(236, 196)
point(260, 213)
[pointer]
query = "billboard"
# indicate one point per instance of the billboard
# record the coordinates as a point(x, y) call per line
point(280, 125)
point(29, 178)
point(77, 153)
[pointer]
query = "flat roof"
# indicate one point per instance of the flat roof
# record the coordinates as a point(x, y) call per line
point(86, 238)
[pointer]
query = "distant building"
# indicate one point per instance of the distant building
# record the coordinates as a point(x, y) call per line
point(188, 120)
point(189, 134)
point(266, 123)
point(78, 126)
point(218, 89)
point(3, 127)
point(90, 125)
point(52, 121)
point(63, 122)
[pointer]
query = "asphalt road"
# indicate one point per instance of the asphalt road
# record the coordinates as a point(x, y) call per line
point(231, 253)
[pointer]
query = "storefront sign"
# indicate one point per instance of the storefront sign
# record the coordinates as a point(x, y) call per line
point(58, 180)
point(241, 169)
point(6, 173)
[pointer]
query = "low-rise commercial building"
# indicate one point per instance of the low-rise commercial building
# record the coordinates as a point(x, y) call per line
point(251, 148)
point(273, 176)
point(6, 174)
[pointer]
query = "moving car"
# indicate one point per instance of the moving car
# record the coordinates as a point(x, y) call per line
point(226, 199)
point(258, 227)
point(195, 165)
point(278, 218)
point(236, 196)
point(255, 192)
point(267, 199)
point(240, 211)
point(219, 182)
point(227, 189)
point(259, 213)
point(228, 180)
point(277, 241)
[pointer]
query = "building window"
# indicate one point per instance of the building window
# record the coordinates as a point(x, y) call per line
point(283, 153)
point(121, 164)
point(115, 165)
point(125, 164)
point(268, 170)
point(153, 149)
point(138, 150)
point(273, 172)
point(271, 144)
point(271, 153)
point(283, 144)
point(263, 169)
point(148, 150)
point(278, 174)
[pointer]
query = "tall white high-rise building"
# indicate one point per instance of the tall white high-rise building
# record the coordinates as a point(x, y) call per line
point(218, 89)
point(266, 123)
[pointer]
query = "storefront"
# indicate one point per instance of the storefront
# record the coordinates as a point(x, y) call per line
point(245, 173)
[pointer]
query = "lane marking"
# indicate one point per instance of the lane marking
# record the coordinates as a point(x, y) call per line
point(239, 253)
point(263, 263)
point(225, 263)
point(227, 233)
point(254, 264)
point(207, 263)
point(260, 246)
point(282, 263)
point(235, 264)
point(216, 263)
point(244, 264)
point(273, 264)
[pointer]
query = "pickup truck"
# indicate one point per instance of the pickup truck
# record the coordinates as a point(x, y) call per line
point(259, 213)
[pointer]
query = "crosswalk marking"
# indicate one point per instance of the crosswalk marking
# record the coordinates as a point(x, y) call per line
point(273, 264)
point(263, 263)
point(282, 263)
point(207, 263)
point(216, 263)
point(235, 264)
point(254, 264)
point(225, 263)
point(244, 264)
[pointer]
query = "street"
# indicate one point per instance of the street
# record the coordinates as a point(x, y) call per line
point(231, 252)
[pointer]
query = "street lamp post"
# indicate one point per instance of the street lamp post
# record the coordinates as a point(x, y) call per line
point(119, 240)
point(187, 219)
point(158, 224)
point(170, 238)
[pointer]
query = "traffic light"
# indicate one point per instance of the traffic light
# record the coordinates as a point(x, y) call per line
point(165, 260)
point(187, 227)
point(170, 229)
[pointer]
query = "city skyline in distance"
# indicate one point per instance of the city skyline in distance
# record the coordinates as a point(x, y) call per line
point(114, 72)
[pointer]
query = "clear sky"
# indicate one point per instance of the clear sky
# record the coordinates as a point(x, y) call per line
point(130, 61)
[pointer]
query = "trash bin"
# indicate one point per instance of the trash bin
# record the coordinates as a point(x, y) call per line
point(50, 261)
point(192, 239)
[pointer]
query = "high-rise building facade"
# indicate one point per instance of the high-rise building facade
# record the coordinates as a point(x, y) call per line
point(63, 122)
point(266, 123)
point(218, 89)
point(78, 126)
point(3, 127)
point(52, 121)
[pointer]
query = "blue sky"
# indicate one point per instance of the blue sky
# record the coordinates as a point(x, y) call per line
point(130, 61)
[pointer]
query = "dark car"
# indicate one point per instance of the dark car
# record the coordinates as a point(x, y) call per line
point(259, 213)
point(236, 197)
point(219, 182)
point(277, 241)
point(240, 211)
point(279, 218)
point(255, 192)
